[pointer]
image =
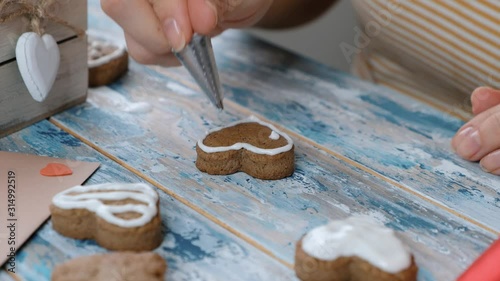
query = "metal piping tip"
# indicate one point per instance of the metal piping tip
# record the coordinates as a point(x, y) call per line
point(219, 106)
point(198, 57)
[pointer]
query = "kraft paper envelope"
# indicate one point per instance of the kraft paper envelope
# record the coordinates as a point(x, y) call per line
point(31, 194)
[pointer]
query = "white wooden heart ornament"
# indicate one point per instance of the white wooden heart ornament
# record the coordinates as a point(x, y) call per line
point(38, 61)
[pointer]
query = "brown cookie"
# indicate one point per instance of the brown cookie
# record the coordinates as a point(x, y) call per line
point(254, 147)
point(107, 61)
point(318, 261)
point(121, 217)
point(123, 266)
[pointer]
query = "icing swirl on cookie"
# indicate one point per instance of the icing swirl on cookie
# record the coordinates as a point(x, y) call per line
point(274, 136)
point(359, 237)
point(91, 197)
point(247, 146)
point(102, 51)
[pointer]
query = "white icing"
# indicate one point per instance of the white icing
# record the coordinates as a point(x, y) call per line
point(93, 53)
point(247, 146)
point(90, 197)
point(102, 40)
point(274, 135)
point(359, 237)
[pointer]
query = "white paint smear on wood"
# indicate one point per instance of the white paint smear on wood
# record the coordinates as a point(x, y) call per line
point(105, 97)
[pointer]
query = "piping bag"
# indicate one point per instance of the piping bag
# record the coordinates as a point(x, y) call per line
point(198, 58)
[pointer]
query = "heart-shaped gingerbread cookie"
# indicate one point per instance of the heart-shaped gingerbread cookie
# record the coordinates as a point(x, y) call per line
point(107, 58)
point(121, 217)
point(112, 267)
point(251, 146)
point(354, 249)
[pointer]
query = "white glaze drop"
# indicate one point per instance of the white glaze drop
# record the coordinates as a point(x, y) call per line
point(357, 236)
point(90, 197)
point(247, 146)
point(274, 135)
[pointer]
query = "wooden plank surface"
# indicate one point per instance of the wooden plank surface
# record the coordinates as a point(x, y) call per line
point(160, 145)
point(72, 11)
point(18, 107)
point(149, 122)
point(195, 248)
point(158, 141)
point(5, 277)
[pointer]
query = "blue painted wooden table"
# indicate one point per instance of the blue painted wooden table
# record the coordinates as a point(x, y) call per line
point(360, 150)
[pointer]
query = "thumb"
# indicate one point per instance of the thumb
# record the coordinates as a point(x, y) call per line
point(484, 98)
point(174, 21)
point(204, 15)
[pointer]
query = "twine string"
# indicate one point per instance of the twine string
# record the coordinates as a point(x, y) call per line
point(36, 14)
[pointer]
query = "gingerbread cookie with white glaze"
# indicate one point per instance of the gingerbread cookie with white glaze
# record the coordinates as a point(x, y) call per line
point(123, 266)
point(107, 60)
point(118, 216)
point(354, 249)
point(251, 146)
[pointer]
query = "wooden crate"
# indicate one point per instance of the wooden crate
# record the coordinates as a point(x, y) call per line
point(17, 107)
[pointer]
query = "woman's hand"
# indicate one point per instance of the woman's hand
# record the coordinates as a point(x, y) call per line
point(479, 139)
point(155, 28)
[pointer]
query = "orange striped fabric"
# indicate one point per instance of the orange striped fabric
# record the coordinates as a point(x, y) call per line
point(428, 47)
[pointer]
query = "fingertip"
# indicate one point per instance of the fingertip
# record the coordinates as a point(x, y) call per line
point(137, 52)
point(483, 98)
point(204, 16)
point(142, 55)
point(174, 23)
point(169, 61)
point(453, 145)
point(454, 140)
point(496, 172)
point(491, 163)
point(481, 93)
point(175, 36)
point(110, 7)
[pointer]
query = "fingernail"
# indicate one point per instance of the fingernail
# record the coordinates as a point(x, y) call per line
point(174, 35)
point(482, 166)
point(468, 143)
point(212, 7)
point(491, 162)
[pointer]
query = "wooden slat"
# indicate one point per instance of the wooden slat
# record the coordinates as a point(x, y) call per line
point(72, 11)
point(18, 107)
point(195, 248)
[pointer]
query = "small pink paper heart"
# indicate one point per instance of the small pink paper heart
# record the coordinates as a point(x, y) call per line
point(55, 170)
